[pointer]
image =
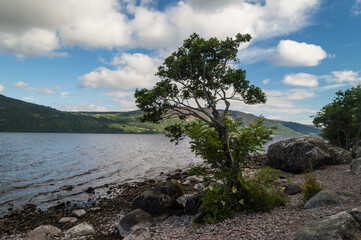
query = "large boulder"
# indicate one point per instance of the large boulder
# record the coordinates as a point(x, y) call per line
point(192, 204)
point(43, 232)
point(342, 226)
point(356, 166)
point(297, 155)
point(325, 197)
point(137, 219)
point(339, 156)
point(172, 188)
point(157, 205)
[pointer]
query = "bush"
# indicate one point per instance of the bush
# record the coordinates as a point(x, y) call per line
point(255, 194)
point(311, 186)
point(196, 170)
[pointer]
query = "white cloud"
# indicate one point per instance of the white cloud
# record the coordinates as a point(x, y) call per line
point(20, 84)
point(349, 77)
point(301, 79)
point(118, 94)
point(254, 54)
point(47, 27)
point(356, 8)
point(47, 91)
point(1, 88)
point(133, 70)
point(266, 81)
point(292, 54)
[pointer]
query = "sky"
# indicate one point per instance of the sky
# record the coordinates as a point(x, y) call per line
point(81, 55)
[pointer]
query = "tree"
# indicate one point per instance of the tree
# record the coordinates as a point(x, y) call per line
point(196, 81)
point(341, 119)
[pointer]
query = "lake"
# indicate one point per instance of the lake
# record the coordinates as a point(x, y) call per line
point(37, 167)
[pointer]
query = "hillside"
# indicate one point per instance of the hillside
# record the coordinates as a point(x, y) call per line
point(20, 116)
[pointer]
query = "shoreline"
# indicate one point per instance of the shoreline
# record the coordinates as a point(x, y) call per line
point(278, 224)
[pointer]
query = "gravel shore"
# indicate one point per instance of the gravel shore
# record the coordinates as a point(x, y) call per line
point(278, 224)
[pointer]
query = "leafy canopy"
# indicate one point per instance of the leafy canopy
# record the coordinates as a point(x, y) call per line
point(341, 119)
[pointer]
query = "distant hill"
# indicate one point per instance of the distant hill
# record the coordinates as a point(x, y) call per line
point(20, 116)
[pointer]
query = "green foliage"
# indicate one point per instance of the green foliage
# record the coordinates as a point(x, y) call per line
point(341, 119)
point(311, 186)
point(255, 194)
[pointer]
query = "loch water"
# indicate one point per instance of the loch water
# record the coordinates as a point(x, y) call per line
point(38, 167)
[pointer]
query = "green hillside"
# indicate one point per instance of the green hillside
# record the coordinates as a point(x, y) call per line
point(20, 116)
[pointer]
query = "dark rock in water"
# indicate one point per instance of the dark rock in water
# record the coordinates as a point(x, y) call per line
point(29, 207)
point(192, 204)
point(67, 187)
point(302, 154)
point(356, 166)
point(157, 205)
point(133, 220)
point(292, 188)
point(342, 226)
point(325, 197)
point(339, 156)
point(90, 190)
point(172, 188)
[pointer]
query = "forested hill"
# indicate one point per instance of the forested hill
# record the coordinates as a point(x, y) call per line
point(20, 116)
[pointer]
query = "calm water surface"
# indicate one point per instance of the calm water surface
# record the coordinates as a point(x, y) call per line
point(35, 167)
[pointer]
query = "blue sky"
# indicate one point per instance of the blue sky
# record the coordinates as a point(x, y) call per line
point(91, 55)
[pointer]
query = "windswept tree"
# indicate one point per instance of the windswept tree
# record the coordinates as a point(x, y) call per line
point(341, 119)
point(200, 81)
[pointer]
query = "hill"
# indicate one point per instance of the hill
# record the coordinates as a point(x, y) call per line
point(20, 116)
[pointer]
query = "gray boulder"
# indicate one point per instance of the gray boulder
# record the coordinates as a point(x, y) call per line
point(342, 226)
point(81, 229)
point(172, 188)
point(192, 204)
point(356, 166)
point(157, 205)
point(325, 197)
point(43, 232)
point(339, 156)
point(358, 152)
point(292, 188)
point(297, 155)
point(137, 219)
point(139, 234)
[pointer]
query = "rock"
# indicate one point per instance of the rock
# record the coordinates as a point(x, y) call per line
point(356, 166)
point(81, 229)
point(345, 195)
point(29, 207)
point(194, 179)
point(78, 212)
point(344, 225)
point(339, 156)
point(186, 182)
point(95, 209)
point(192, 204)
point(325, 197)
point(297, 155)
point(133, 220)
point(90, 190)
point(67, 187)
point(157, 205)
point(358, 152)
point(172, 188)
point(292, 188)
point(43, 232)
point(68, 220)
point(139, 234)
point(199, 186)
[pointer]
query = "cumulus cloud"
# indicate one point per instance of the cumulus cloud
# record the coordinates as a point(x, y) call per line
point(349, 77)
point(47, 91)
point(356, 8)
point(292, 54)
point(84, 108)
point(133, 70)
point(47, 27)
point(301, 79)
point(1, 88)
point(20, 84)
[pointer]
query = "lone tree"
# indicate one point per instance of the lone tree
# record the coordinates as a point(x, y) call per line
point(341, 119)
point(198, 80)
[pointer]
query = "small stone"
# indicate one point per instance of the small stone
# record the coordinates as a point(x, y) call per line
point(81, 229)
point(68, 220)
point(199, 186)
point(90, 190)
point(79, 212)
point(186, 182)
point(43, 232)
point(95, 209)
point(194, 179)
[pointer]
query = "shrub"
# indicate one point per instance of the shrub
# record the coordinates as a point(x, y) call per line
point(311, 186)
point(196, 170)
